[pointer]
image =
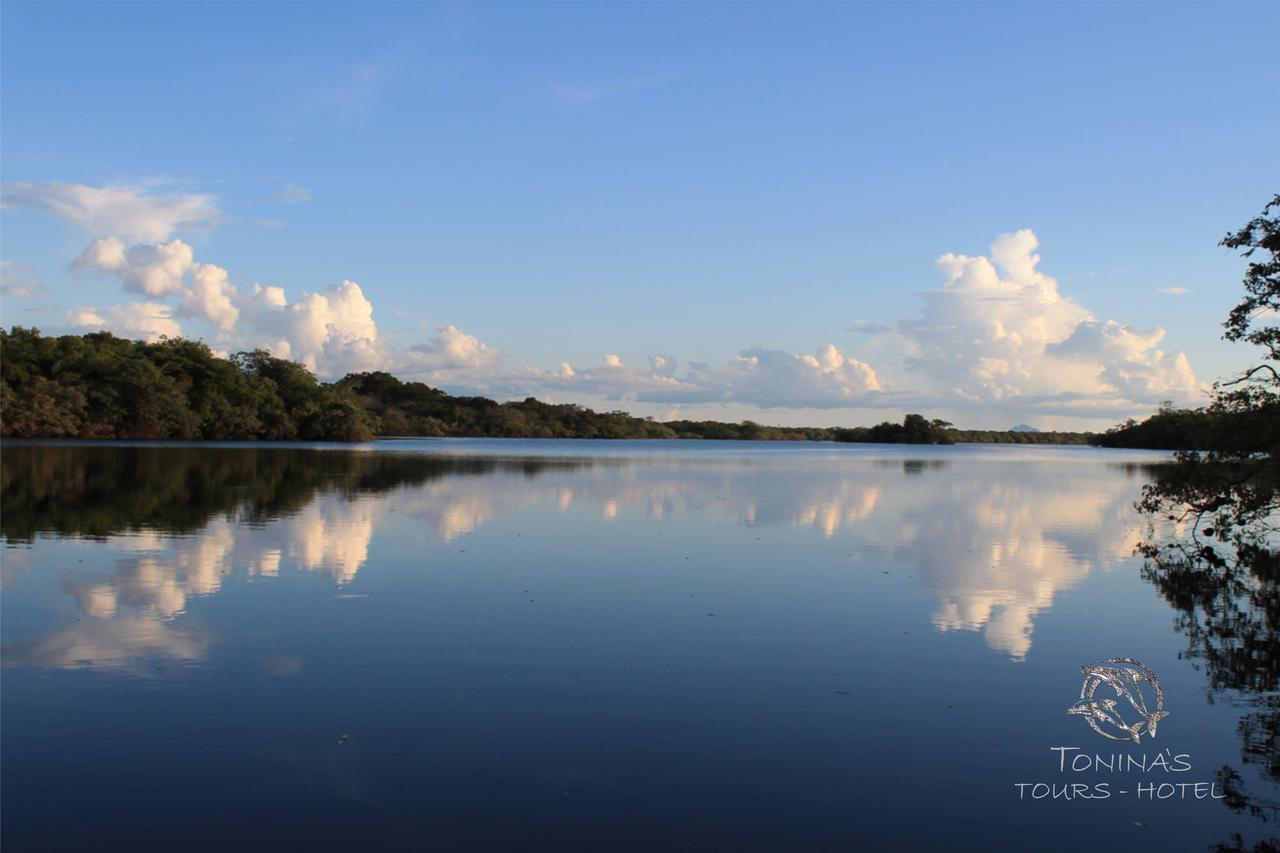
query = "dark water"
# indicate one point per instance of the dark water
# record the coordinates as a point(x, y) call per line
point(588, 646)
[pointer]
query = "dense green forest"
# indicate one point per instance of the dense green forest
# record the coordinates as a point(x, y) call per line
point(103, 387)
point(1220, 426)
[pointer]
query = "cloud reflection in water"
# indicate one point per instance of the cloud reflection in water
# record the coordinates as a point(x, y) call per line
point(994, 543)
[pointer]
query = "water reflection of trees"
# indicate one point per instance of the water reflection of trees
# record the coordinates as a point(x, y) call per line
point(98, 491)
point(186, 517)
point(1212, 554)
point(994, 545)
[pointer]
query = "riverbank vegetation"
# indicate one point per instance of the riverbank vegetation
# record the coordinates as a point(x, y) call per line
point(98, 386)
point(1219, 426)
point(1213, 547)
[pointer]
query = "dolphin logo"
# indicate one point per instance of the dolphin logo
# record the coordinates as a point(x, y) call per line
point(1126, 677)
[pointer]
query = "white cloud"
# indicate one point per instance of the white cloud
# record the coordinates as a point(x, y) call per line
point(166, 269)
point(1127, 360)
point(453, 348)
point(777, 379)
point(147, 320)
point(136, 213)
point(211, 296)
point(15, 283)
point(757, 377)
point(105, 253)
point(462, 363)
point(331, 331)
point(156, 270)
point(999, 332)
point(662, 365)
point(1174, 291)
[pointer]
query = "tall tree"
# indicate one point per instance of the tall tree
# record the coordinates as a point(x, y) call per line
point(1213, 551)
point(1261, 283)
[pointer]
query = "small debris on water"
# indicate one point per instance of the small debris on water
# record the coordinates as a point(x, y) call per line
point(843, 692)
point(343, 739)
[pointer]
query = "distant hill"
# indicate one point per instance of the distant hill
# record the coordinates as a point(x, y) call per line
point(1023, 428)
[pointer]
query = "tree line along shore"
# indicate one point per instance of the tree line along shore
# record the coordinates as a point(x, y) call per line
point(99, 386)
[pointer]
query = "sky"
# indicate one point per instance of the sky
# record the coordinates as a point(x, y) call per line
point(796, 213)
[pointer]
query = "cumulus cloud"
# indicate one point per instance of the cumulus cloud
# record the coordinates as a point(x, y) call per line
point(454, 349)
point(460, 362)
point(136, 213)
point(1000, 332)
point(105, 253)
point(147, 320)
point(156, 270)
point(330, 331)
point(210, 295)
point(756, 377)
point(166, 269)
point(1127, 360)
point(776, 379)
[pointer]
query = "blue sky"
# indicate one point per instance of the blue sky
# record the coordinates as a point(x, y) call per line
point(756, 193)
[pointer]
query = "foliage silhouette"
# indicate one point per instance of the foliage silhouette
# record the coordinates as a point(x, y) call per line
point(1212, 550)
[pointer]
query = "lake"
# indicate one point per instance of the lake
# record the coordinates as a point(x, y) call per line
point(517, 644)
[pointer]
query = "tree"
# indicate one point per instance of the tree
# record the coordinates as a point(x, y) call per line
point(1213, 548)
point(1261, 283)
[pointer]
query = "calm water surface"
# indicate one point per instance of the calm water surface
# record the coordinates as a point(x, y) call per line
point(460, 644)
